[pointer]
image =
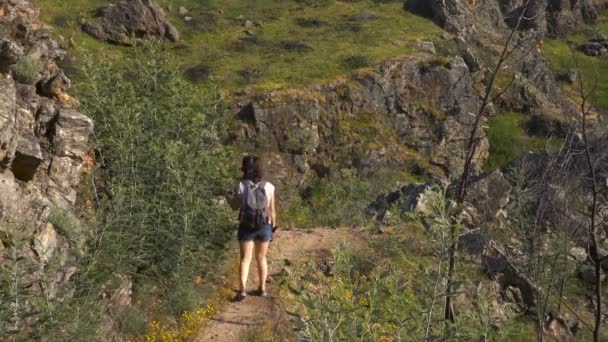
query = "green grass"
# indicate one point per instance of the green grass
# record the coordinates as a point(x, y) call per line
point(508, 139)
point(335, 42)
point(561, 60)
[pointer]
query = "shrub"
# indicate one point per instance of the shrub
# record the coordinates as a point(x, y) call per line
point(340, 200)
point(357, 62)
point(134, 321)
point(26, 70)
point(183, 298)
point(160, 176)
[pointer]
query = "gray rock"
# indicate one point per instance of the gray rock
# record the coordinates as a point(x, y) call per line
point(489, 194)
point(8, 111)
point(410, 197)
point(427, 47)
point(31, 137)
point(65, 171)
point(182, 10)
point(597, 46)
point(10, 53)
point(140, 18)
point(58, 84)
point(579, 254)
point(28, 157)
point(45, 244)
point(71, 134)
point(559, 329)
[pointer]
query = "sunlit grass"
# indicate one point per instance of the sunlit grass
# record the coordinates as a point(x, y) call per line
point(386, 30)
point(508, 139)
point(562, 61)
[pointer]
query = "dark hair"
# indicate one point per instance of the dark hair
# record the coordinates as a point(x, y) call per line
point(252, 168)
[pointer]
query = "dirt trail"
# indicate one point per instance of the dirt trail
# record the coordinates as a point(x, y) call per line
point(236, 320)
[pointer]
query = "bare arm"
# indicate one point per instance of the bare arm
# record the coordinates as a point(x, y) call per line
point(273, 212)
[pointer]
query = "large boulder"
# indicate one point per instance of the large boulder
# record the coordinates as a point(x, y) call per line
point(127, 21)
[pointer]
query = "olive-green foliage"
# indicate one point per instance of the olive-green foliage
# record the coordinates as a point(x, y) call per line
point(216, 37)
point(162, 165)
point(134, 321)
point(184, 297)
point(388, 295)
point(26, 70)
point(339, 200)
point(394, 290)
point(158, 215)
point(158, 209)
point(508, 139)
point(560, 56)
point(67, 225)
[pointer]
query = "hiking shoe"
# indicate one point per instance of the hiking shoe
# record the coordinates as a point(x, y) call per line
point(260, 293)
point(240, 296)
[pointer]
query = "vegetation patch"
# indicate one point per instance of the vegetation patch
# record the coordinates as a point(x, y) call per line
point(508, 139)
point(561, 59)
point(389, 294)
point(215, 34)
point(438, 61)
point(341, 200)
point(26, 70)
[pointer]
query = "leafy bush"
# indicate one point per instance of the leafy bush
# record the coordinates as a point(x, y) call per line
point(26, 70)
point(162, 167)
point(134, 321)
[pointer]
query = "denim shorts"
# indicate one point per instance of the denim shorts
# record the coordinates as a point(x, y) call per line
point(263, 234)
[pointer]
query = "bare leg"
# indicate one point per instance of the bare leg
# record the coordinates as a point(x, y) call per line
point(261, 248)
point(246, 254)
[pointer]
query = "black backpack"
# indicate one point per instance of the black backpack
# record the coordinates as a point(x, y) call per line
point(254, 206)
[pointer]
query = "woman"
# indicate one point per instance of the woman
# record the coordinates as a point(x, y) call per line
point(254, 238)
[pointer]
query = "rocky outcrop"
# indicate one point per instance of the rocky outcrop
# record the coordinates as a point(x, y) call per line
point(409, 110)
point(409, 198)
point(598, 46)
point(558, 17)
point(128, 21)
point(42, 142)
